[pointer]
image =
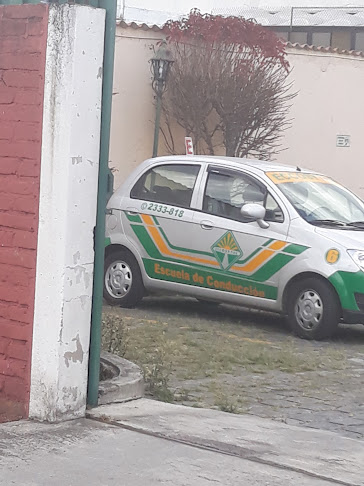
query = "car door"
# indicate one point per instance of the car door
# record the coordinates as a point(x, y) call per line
point(248, 257)
point(158, 219)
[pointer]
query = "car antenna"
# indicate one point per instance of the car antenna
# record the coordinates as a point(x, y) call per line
point(299, 169)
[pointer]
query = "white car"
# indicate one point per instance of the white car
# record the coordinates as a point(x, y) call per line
point(239, 231)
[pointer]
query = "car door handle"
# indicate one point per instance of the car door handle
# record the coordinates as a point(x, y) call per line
point(206, 225)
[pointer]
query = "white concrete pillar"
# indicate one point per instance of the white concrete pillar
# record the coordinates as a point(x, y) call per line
point(67, 213)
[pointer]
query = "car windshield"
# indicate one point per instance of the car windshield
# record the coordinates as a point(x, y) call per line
point(320, 200)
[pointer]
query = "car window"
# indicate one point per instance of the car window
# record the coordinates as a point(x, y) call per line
point(273, 212)
point(167, 184)
point(226, 193)
point(318, 198)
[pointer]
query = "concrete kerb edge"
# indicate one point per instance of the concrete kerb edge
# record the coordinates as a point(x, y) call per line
point(128, 384)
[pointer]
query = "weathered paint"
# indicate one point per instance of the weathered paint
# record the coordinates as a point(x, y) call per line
point(67, 213)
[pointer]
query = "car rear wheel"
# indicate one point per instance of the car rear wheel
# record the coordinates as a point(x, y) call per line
point(313, 309)
point(123, 284)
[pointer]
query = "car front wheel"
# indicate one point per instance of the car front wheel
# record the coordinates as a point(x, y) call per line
point(313, 309)
point(123, 284)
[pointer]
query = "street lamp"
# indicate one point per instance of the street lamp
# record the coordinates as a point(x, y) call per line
point(161, 64)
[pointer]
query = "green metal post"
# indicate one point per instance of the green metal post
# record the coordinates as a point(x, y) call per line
point(95, 342)
point(157, 123)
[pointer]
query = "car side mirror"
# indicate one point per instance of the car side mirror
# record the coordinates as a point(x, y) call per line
point(256, 212)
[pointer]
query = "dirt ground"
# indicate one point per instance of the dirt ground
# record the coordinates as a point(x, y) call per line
point(242, 361)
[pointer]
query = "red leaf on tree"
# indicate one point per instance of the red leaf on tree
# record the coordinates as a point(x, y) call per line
point(230, 31)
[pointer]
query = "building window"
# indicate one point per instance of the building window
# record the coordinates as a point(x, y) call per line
point(282, 35)
point(359, 41)
point(341, 39)
point(298, 37)
point(321, 39)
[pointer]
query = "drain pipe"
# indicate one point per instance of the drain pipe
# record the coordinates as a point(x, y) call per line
point(99, 233)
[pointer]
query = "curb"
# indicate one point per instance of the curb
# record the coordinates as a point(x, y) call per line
point(127, 382)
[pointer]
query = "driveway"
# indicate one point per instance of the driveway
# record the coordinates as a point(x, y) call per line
point(245, 362)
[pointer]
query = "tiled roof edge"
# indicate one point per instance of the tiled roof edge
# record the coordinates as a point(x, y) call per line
point(329, 50)
point(135, 25)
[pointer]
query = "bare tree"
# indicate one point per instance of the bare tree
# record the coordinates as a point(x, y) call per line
point(228, 86)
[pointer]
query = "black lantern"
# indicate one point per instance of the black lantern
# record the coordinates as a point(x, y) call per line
point(161, 65)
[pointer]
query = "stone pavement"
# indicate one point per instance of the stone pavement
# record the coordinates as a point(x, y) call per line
point(147, 443)
point(313, 453)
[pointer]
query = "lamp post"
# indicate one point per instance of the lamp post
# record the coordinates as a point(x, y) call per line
point(161, 64)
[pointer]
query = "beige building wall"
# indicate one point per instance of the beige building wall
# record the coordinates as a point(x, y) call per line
point(329, 103)
point(132, 127)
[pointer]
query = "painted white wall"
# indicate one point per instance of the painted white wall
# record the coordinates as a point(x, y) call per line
point(67, 213)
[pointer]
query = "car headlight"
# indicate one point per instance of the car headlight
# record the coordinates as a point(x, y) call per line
point(358, 257)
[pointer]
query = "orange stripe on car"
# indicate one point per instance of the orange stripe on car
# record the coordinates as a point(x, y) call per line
point(277, 245)
point(261, 258)
point(256, 262)
point(165, 250)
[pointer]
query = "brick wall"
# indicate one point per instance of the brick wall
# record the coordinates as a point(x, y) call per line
point(23, 39)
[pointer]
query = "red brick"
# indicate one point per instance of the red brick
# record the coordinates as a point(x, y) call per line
point(20, 257)
point(22, 149)
point(9, 165)
point(22, 113)
point(6, 132)
point(6, 237)
point(14, 388)
point(29, 62)
point(28, 131)
point(25, 11)
point(23, 43)
point(22, 221)
point(11, 410)
point(14, 330)
point(15, 185)
point(15, 294)
point(2, 382)
point(4, 344)
point(22, 79)
point(19, 44)
point(28, 97)
point(24, 239)
point(19, 367)
point(6, 96)
point(13, 26)
point(25, 204)
point(4, 367)
point(18, 313)
point(19, 350)
point(15, 275)
point(28, 168)
point(6, 202)
point(13, 367)
point(35, 28)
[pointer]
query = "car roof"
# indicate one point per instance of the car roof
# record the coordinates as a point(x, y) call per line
point(261, 165)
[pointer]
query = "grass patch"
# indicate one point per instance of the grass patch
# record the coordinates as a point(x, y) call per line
point(174, 350)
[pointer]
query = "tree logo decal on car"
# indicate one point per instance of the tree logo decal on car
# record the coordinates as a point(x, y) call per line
point(227, 250)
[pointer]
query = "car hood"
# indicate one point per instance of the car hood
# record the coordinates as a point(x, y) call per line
point(351, 240)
